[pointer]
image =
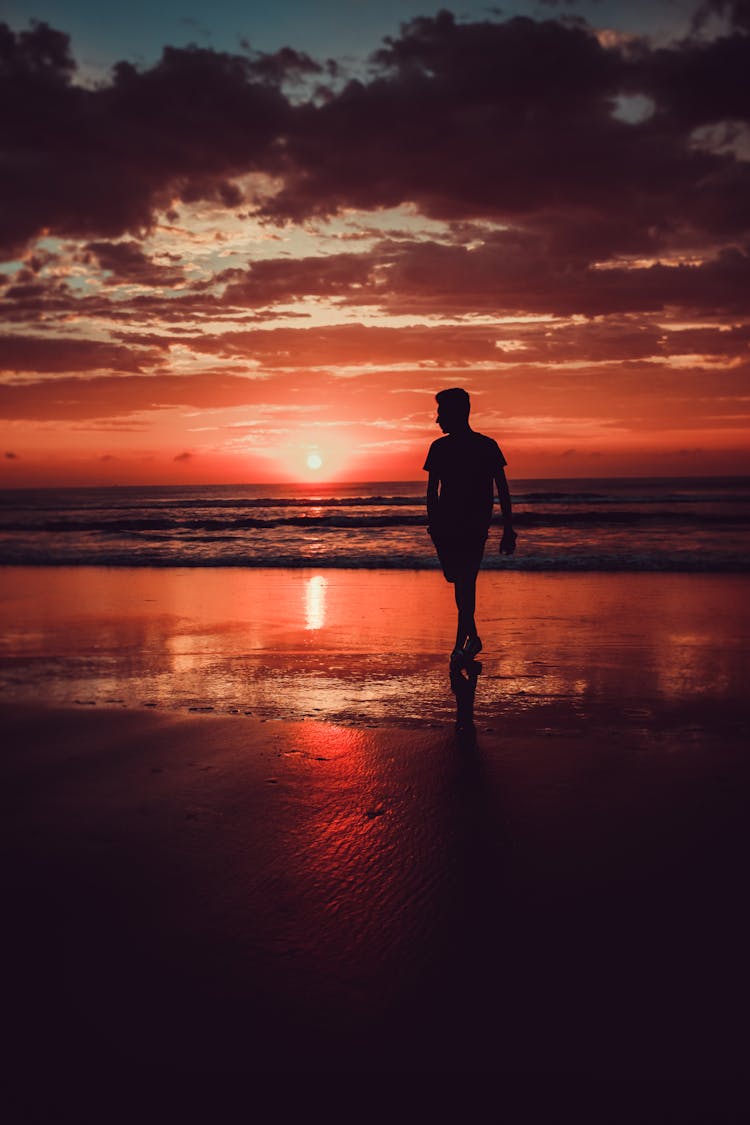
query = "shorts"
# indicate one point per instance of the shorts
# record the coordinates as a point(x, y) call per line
point(460, 555)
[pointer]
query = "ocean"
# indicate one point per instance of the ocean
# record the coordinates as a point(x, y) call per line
point(636, 524)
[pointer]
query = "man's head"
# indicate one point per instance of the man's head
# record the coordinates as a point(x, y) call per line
point(453, 409)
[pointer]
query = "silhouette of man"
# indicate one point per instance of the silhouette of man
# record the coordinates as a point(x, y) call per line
point(464, 469)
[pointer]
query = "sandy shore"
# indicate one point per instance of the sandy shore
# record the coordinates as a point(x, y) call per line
point(197, 892)
point(245, 836)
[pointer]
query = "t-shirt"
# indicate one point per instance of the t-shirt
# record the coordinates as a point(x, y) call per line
point(467, 464)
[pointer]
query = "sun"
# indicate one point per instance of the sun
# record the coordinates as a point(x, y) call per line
point(313, 459)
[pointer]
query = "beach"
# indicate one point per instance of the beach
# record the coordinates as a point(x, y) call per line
point(246, 835)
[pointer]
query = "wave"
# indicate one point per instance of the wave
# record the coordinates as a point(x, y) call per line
point(645, 499)
point(117, 525)
point(12, 502)
point(688, 526)
point(240, 502)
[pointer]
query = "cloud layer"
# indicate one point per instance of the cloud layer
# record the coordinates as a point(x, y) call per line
point(556, 195)
point(495, 120)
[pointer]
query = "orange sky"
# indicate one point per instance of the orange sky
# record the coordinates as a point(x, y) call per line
point(271, 273)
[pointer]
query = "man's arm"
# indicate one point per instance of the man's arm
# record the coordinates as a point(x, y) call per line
point(508, 541)
point(433, 481)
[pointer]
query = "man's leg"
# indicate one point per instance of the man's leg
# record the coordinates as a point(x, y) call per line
point(465, 590)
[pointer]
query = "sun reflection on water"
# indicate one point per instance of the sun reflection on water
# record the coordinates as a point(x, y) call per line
point(315, 602)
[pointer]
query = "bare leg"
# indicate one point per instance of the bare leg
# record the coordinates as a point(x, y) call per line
point(465, 589)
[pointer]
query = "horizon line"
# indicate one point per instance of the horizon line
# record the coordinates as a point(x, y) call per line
point(311, 485)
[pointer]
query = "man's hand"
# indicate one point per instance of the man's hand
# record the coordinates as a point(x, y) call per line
point(508, 541)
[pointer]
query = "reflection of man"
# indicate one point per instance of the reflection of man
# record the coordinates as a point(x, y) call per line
point(464, 469)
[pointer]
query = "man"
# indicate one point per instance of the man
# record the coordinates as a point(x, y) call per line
point(464, 469)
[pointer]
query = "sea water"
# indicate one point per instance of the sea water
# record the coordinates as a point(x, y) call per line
point(637, 524)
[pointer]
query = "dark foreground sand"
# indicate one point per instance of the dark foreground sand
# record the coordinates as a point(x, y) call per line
point(192, 893)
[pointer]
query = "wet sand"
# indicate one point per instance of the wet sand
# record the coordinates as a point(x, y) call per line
point(563, 893)
point(370, 646)
point(200, 893)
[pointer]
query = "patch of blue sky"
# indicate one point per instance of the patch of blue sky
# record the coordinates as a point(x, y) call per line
point(633, 108)
point(137, 31)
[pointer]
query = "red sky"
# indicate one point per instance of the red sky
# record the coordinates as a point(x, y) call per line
point(218, 264)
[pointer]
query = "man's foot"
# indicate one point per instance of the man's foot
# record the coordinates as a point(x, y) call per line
point(472, 648)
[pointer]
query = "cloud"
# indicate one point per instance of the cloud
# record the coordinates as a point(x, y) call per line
point(509, 120)
point(183, 457)
point(552, 245)
point(507, 273)
point(285, 65)
point(435, 347)
point(55, 354)
point(736, 12)
point(514, 121)
point(283, 279)
point(117, 153)
point(11, 456)
point(127, 262)
point(337, 345)
point(499, 272)
point(67, 398)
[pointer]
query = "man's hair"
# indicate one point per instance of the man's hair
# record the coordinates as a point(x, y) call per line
point(455, 399)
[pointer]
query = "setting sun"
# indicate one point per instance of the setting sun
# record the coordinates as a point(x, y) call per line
point(314, 461)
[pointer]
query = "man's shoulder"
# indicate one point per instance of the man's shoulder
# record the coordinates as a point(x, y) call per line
point(441, 442)
point(489, 449)
point(464, 452)
point(484, 440)
point(435, 454)
point(438, 446)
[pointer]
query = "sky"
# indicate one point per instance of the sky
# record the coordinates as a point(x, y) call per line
point(248, 243)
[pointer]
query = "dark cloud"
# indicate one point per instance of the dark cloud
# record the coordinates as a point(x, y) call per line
point(127, 262)
point(509, 120)
point(697, 83)
point(622, 339)
point(285, 65)
point(737, 13)
point(26, 292)
point(11, 456)
point(505, 273)
point(183, 457)
point(41, 49)
point(53, 299)
point(53, 354)
point(509, 272)
point(285, 279)
point(56, 302)
point(515, 121)
point(98, 162)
